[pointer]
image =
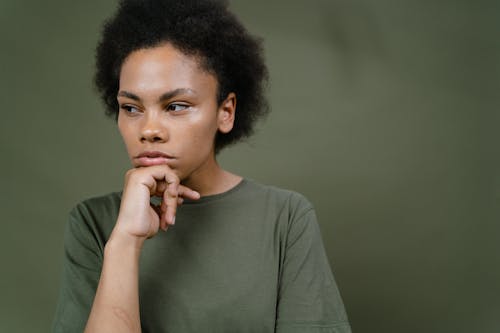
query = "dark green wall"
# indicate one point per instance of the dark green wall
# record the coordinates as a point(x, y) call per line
point(385, 114)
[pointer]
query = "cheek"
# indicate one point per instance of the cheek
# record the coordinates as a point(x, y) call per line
point(200, 140)
point(204, 132)
point(121, 128)
point(126, 134)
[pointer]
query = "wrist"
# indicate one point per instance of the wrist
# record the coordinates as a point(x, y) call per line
point(123, 242)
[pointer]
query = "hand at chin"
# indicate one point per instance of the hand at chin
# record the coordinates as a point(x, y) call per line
point(137, 217)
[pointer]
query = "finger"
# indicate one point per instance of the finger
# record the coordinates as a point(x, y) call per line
point(163, 223)
point(161, 186)
point(163, 219)
point(186, 192)
point(166, 179)
point(170, 199)
point(160, 211)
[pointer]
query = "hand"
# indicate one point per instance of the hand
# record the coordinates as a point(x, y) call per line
point(137, 217)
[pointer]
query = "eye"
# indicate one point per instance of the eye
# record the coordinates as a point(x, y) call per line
point(174, 107)
point(129, 109)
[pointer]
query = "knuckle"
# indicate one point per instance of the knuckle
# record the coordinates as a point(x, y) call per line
point(129, 173)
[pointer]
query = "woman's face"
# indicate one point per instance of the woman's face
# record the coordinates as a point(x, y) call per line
point(169, 112)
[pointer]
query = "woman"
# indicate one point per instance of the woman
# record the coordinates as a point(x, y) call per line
point(184, 79)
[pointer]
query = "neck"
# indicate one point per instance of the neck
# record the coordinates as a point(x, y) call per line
point(211, 179)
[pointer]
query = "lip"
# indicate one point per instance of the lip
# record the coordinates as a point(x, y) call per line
point(149, 158)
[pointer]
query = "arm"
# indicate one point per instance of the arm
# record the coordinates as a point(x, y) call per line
point(309, 300)
point(82, 264)
point(116, 304)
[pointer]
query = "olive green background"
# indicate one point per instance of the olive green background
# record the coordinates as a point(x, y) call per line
point(385, 115)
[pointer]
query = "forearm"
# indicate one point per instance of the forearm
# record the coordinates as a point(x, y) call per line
point(116, 303)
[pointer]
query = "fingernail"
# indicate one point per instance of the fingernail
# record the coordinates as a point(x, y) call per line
point(173, 221)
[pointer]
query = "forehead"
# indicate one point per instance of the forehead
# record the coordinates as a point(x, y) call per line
point(164, 67)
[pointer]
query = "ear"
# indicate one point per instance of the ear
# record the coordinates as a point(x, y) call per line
point(226, 113)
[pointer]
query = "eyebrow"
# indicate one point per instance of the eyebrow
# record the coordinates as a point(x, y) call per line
point(166, 96)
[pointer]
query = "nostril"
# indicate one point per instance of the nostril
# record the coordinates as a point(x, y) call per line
point(151, 138)
point(153, 133)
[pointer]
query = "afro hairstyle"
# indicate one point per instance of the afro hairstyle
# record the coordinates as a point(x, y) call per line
point(205, 29)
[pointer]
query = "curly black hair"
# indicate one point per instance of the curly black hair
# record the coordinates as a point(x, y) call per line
point(202, 28)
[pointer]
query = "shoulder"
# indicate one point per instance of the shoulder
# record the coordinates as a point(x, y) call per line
point(100, 202)
point(284, 199)
point(100, 205)
point(96, 215)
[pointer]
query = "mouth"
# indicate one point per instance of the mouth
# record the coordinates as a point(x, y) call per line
point(149, 158)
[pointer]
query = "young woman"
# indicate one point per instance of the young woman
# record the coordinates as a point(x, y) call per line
point(183, 80)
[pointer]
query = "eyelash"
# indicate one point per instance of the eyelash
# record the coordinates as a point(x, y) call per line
point(183, 107)
point(129, 108)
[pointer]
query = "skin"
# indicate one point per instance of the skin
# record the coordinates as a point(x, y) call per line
point(167, 106)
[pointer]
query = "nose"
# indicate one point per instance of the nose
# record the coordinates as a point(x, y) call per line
point(153, 130)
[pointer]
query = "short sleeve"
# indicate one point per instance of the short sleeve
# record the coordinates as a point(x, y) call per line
point(82, 264)
point(309, 300)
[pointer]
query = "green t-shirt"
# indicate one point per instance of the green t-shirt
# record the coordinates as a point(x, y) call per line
point(247, 260)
